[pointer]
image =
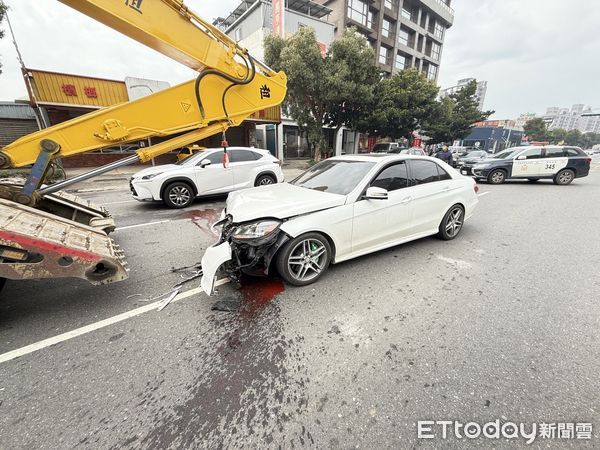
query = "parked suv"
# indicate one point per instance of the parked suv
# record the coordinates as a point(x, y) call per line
point(558, 163)
point(205, 174)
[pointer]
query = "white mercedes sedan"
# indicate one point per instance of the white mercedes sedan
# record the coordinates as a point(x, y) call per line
point(341, 208)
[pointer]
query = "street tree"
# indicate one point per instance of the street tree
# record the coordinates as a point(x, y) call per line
point(574, 137)
point(455, 115)
point(557, 135)
point(3, 9)
point(404, 102)
point(535, 129)
point(334, 90)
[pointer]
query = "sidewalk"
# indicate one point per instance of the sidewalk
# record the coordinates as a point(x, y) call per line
point(118, 179)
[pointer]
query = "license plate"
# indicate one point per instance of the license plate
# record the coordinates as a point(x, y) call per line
point(464, 172)
point(213, 258)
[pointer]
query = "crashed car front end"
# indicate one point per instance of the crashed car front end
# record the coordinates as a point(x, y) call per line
point(243, 248)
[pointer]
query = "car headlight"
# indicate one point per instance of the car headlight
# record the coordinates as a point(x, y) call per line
point(256, 229)
point(152, 175)
point(481, 166)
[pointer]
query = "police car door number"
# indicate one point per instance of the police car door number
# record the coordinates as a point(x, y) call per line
point(535, 167)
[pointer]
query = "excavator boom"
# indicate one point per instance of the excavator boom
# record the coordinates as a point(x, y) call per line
point(46, 233)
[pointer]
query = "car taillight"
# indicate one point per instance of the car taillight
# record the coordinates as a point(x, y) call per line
point(589, 160)
point(278, 162)
point(476, 188)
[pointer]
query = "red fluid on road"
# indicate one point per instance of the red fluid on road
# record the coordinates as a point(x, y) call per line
point(257, 293)
point(203, 218)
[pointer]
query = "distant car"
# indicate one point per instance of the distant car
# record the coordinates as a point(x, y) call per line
point(562, 164)
point(471, 158)
point(410, 151)
point(340, 208)
point(386, 147)
point(205, 174)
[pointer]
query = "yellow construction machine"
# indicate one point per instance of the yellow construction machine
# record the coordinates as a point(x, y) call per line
point(47, 233)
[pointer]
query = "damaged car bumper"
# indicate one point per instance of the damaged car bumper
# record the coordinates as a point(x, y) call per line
point(242, 248)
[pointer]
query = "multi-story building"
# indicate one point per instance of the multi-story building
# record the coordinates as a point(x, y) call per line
point(248, 24)
point(480, 92)
point(576, 118)
point(403, 33)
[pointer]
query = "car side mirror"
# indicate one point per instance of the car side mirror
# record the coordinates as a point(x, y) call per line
point(376, 193)
point(205, 162)
point(521, 157)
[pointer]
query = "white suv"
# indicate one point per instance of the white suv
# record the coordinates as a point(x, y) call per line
point(204, 174)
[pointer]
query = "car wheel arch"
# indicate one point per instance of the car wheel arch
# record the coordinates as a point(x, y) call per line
point(169, 181)
point(325, 234)
point(265, 172)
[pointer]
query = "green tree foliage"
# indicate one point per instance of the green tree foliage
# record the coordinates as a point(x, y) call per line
point(536, 130)
point(404, 102)
point(557, 136)
point(335, 90)
point(3, 9)
point(455, 115)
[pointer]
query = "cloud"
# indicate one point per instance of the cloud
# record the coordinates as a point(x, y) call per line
point(533, 53)
point(52, 36)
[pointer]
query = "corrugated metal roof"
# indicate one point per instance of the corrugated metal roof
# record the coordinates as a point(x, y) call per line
point(11, 110)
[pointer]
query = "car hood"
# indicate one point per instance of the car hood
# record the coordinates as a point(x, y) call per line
point(280, 201)
point(155, 169)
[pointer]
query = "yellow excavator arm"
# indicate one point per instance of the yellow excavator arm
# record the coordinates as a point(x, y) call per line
point(230, 86)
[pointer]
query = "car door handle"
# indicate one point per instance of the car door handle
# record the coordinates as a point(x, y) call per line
point(406, 200)
point(446, 189)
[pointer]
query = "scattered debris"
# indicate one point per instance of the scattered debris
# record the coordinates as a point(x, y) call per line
point(230, 304)
point(168, 300)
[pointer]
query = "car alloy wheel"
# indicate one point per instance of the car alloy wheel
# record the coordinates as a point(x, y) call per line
point(307, 259)
point(564, 177)
point(304, 259)
point(178, 195)
point(452, 223)
point(497, 177)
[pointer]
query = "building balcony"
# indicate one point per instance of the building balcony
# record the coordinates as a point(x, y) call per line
point(441, 9)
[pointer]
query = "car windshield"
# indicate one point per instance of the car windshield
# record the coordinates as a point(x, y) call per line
point(505, 154)
point(192, 160)
point(334, 176)
point(475, 154)
point(380, 148)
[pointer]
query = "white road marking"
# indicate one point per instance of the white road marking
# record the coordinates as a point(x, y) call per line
point(97, 325)
point(142, 225)
point(483, 193)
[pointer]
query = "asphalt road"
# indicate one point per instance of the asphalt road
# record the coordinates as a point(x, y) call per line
point(501, 323)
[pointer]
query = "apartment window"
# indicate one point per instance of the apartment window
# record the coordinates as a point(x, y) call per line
point(438, 30)
point(238, 34)
point(371, 19)
point(404, 37)
point(435, 51)
point(432, 72)
point(389, 4)
point(383, 54)
point(407, 12)
point(387, 29)
point(358, 11)
point(400, 61)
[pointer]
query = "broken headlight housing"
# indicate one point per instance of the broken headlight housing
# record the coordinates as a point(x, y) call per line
point(255, 230)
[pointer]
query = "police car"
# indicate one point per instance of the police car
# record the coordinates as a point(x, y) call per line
point(561, 164)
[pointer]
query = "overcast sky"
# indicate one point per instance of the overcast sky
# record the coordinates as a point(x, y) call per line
point(533, 53)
